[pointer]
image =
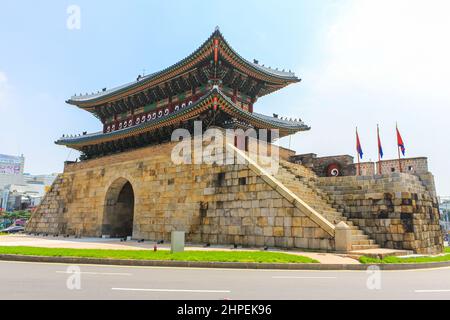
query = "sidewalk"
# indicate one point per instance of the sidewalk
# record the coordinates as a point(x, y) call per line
point(115, 244)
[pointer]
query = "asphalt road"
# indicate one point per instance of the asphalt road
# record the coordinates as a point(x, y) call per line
point(59, 281)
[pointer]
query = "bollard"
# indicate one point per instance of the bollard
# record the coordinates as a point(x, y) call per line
point(177, 243)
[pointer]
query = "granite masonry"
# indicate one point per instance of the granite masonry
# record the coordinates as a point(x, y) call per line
point(142, 194)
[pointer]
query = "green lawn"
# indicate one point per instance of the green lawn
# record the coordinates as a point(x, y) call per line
point(216, 256)
point(367, 260)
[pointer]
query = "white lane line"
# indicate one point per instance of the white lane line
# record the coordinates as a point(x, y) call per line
point(171, 290)
point(303, 277)
point(432, 291)
point(99, 273)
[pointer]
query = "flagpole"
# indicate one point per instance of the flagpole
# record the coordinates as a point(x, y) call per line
point(378, 144)
point(398, 149)
point(357, 151)
point(359, 165)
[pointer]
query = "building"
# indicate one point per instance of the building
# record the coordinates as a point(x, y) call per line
point(444, 206)
point(22, 197)
point(128, 183)
point(45, 180)
point(11, 170)
point(19, 190)
point(26, 195)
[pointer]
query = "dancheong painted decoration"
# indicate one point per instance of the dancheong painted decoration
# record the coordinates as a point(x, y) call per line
point(214, 84)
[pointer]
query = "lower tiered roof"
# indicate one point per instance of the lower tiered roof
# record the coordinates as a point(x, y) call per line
point(214, 100)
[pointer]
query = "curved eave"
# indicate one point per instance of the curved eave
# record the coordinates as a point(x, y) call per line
point(206, 102)
point(273, 76)
point(277, 76)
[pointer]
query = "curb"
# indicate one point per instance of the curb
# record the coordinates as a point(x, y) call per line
point(224, 265)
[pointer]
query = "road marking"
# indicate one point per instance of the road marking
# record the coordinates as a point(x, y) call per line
point(432, 291)
point(99, 273)
point(303, 277)
point(171, 290)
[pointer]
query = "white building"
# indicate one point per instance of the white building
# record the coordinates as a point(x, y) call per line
point(42, 179)
point(11, 170)
point(19, 190)
point(444, 207)
point(18, 197)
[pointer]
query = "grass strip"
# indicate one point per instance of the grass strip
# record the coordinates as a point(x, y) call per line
point(424, 259)
point(204, 256)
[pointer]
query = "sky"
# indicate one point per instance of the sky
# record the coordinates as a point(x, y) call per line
point(362, 63)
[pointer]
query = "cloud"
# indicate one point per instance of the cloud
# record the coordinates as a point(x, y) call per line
point(381, 62)
point(3, 78)
point(390, 47)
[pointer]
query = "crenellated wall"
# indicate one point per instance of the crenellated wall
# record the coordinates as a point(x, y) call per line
point(346, 166)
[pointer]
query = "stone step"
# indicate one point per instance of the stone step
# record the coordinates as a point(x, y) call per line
point(326, 210)
point(297, 169)
point(309, 198)
point(364, 247)
point(312, 198)
point(359, 237)
point(356, 232)
point(332, 214)
point(367, 242)
point(380, 253)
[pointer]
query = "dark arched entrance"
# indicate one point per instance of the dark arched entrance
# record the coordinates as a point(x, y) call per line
point(119, 210)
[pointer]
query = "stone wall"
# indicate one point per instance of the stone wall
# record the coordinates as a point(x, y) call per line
point(409, 165)
point(398, 210)
point(50, 215)
point(367, 168)
point(211, 203)
point(234, 204)
point(285, 153)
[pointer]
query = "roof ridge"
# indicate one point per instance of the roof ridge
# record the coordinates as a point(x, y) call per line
point(75, 100)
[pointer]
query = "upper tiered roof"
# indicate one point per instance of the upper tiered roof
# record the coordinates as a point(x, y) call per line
point(233, 70)
point(214, 83)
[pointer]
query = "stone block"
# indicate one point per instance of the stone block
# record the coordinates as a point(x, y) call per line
point(297, 232)
point(278, 231)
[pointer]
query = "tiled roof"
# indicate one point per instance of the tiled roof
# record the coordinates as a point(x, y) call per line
point(288, 76)
point(279, 122)
point(272, 122)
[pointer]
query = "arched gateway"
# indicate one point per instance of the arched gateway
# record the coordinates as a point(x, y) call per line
point(119, 209)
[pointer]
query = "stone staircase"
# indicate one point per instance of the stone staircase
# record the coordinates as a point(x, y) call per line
point(301, 181)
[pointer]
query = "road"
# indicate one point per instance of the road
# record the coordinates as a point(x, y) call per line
point(52, 281)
